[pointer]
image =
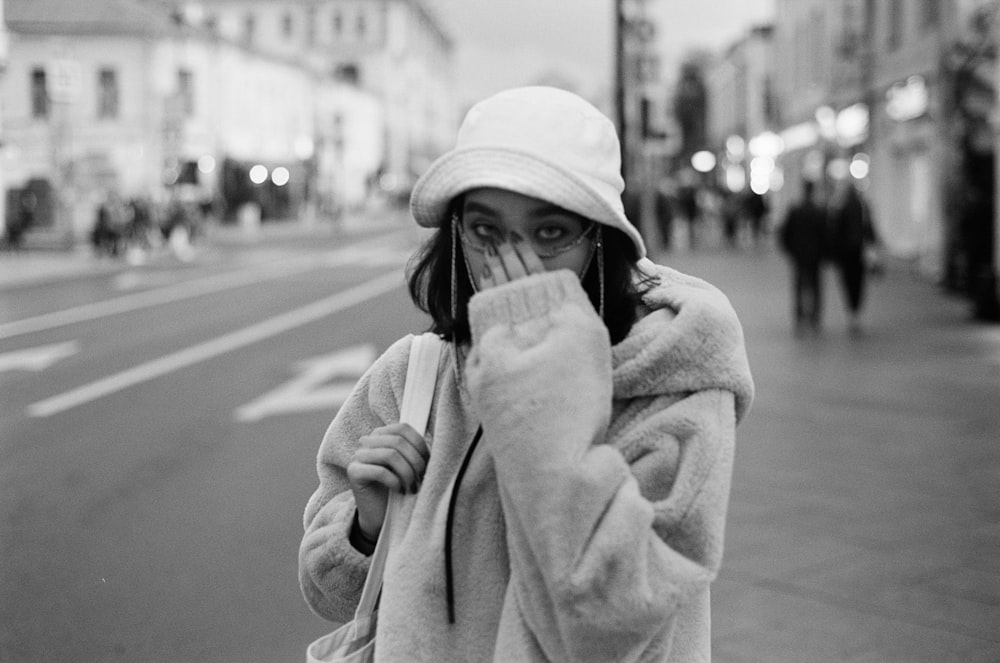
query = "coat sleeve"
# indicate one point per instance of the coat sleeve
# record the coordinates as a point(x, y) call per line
point(612, 526)
point(331, 572)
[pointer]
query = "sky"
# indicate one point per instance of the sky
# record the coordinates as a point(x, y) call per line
point(505, 43)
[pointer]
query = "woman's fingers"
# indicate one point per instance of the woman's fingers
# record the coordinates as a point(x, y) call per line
point(508, 261)
point(399, 455)
point(486, 280)
point(511, 260)
point(393, 458)
point(409, 435)
point(526, 252)
point(494, 272)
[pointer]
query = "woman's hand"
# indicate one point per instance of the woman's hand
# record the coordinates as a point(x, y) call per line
point(392, 457)
point(508, 261)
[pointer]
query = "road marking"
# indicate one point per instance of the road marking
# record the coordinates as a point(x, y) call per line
point(215, 347)
point(138, 280)
point(37, 359)
point(190, 289)
point(309, 390)
point(375, 256)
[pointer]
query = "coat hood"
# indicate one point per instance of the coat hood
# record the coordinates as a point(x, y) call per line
point(700, 346)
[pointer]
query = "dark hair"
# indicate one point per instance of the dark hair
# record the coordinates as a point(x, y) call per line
point(429, 276)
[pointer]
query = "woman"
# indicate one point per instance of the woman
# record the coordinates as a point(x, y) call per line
point(569, 500)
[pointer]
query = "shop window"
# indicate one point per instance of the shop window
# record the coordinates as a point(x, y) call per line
point(107, 94)
point(39, 94)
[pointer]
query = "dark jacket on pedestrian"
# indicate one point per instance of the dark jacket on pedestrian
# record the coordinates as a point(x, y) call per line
point(803, 234)
point(851, 229)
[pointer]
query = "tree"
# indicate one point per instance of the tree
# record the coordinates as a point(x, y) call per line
point(968, 101)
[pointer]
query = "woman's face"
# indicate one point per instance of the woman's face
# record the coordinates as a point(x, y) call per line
point(492, 219)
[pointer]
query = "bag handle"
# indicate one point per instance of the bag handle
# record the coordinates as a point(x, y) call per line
point(415, 410)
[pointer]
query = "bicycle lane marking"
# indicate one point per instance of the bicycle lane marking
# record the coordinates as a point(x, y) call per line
point(213, 348)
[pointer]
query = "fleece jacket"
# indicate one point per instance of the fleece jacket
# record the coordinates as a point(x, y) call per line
point(589, 523)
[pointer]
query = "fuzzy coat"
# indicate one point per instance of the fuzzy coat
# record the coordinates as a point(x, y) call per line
point(590, 521)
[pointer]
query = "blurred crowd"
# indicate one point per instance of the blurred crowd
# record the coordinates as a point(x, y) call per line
point(819, 229)
point(134, 228)
point(688, 215)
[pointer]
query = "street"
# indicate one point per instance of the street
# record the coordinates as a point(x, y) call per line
point(149, 514)
point(159, 425)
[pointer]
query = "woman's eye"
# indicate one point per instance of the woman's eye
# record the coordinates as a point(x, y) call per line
point(485, 232)
point(551, 233)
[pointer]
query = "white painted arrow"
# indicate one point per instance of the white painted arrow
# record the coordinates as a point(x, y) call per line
point(311, 389)
point(37, 359)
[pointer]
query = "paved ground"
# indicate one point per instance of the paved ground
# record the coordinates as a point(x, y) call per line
point(865, 513)
point(865, 517)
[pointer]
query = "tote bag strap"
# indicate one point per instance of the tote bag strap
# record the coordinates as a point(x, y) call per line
point(415, 409)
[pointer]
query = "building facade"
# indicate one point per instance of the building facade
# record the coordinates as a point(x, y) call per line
point(395, 49)
point(128, 96)
point(864, 91)
point(742, 116)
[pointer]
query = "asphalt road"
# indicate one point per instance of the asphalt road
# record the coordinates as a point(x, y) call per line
point(154, 472)
point(158, 428)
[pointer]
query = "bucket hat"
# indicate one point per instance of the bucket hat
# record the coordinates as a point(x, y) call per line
point(538, 141)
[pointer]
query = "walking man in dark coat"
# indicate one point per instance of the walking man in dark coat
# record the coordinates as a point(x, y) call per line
point(802, 238)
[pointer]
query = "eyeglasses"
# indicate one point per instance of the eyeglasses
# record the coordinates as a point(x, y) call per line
point(481, 237)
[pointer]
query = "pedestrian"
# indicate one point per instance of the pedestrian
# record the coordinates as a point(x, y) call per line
point(802, 237)
point(569, 499)
point(755, 209)
point(854, 248)
point(664, 206)
point(729, 210)
point(691, 210)
point(107, 234)
point(20, 219)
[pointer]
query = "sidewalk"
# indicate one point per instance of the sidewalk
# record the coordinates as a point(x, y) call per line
point(865, 512)
point(36, 266)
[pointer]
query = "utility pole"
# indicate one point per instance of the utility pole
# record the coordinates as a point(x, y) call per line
point(621, 69)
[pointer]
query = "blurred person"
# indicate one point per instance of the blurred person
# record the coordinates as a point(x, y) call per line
point(20, 219)
point(854, 250)
point(729, 209)
point(687, 199)
point(108, 233)
point(181, 226)
point(754, 209)
point(802, 237)
point(569, 499)
point(664, 206)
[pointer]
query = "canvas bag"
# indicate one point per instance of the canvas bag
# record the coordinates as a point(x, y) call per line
point(354, 642)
